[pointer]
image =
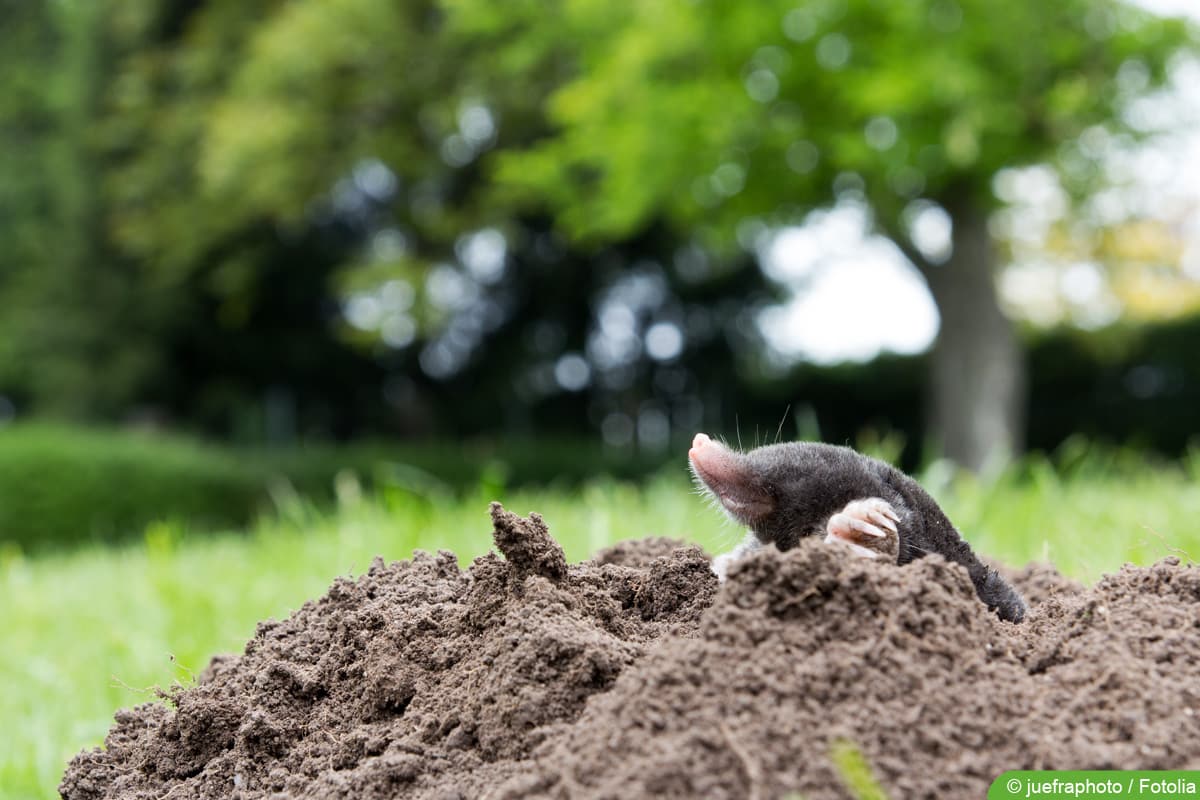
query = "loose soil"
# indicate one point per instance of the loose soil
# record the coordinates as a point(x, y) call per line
point(634, 675)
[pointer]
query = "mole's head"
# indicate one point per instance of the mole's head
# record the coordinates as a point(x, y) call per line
point(782, 492)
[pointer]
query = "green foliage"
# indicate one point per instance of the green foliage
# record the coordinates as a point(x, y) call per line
point(186, 219)
point(60, 314)
point(62, 486)
point(250, 168)
point(719, 112)
point(244, 125)
point(1133, 384)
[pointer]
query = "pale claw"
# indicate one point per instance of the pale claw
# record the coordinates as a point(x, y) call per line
point(881, 518)
point(844, 520)
point(868, 527)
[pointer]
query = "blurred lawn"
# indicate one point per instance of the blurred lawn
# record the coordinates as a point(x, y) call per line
point(88, 632)
point(64, 485)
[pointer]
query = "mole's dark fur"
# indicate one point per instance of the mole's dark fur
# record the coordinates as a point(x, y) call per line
point(802, 484)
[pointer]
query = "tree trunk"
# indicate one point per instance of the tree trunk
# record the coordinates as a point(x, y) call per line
point(976, 399)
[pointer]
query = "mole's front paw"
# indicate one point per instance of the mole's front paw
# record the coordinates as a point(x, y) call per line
point(867, 527)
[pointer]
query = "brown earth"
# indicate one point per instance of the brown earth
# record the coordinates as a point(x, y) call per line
point(631, 675)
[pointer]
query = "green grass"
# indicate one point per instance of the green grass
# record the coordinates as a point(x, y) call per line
point(855, 771)
point(88, 632)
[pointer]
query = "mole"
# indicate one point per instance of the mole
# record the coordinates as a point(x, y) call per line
point(783, 492)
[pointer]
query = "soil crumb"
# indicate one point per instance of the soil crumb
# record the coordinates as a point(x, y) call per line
point(632, 675)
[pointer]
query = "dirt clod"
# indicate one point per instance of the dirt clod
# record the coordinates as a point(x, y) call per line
point(632, 675)
point(527, 544)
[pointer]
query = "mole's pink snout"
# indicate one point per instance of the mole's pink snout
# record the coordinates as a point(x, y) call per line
point(715, 463)
point(725, 473)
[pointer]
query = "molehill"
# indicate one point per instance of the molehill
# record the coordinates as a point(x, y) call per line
point(633, 675)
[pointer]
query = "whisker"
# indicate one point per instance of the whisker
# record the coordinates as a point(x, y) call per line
point(779, 431)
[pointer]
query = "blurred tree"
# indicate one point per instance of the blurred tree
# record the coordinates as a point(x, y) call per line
point(29, 38)
point(45, 198)
point(311, 177)
point(342, 216)
point(229, 319)
point(732, 119)
point(80, 332)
